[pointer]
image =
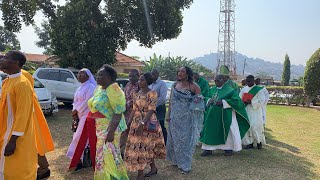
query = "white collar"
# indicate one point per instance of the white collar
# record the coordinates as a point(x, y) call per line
point(14, 75)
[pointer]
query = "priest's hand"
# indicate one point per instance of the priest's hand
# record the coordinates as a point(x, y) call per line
point(219, 103)
point(10, 148)
point(210, 102)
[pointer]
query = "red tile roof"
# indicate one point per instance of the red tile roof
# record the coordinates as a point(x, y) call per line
point(36, 57)
point(123, 59)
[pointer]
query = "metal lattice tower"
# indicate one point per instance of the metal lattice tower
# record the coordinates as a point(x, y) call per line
point(226, 39)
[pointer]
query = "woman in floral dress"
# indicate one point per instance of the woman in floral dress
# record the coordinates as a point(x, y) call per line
point(144, 146)
point(107, 107)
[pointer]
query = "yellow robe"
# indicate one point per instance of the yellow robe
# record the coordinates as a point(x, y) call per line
point(44, 140)
point(16, 118)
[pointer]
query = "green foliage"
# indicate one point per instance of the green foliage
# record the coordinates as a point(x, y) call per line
point(30, 67)
point(291, 95)
point(168, 66)
point(286, 71)
point(8, 40)
point(87, 33)
point(123, 75)
point(312, 75)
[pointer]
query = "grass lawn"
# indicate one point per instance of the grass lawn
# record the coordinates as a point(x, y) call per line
point(293, 151)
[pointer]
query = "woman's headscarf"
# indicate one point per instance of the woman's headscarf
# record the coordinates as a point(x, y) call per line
point(91, 77)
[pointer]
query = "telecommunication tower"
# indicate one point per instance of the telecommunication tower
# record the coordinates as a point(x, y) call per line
point(226, 39)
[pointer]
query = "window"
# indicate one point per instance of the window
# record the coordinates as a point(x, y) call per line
point(65, 75)
point(37, 84)
point(54, 75)
point(43, 74)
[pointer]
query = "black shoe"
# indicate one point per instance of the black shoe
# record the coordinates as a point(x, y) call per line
point(206, 153)
point(250, 146)
point(79, 166)
point(149, 174)
point(259, 145)
point(44, 175)
point(228, 152)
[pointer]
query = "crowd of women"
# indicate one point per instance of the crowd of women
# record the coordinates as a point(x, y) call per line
point(118, 131)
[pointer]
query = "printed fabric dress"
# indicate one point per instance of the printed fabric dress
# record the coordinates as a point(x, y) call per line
point(107, 102)
point(184, 129)
point(141, 149)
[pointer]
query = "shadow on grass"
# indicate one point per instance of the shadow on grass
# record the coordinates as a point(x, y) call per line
point(277, 160)
point(270, 139)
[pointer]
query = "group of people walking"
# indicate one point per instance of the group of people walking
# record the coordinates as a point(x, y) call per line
point(117, 131)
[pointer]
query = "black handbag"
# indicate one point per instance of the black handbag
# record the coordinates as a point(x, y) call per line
point(75, 124)
point(86, 158)
point(151, 125)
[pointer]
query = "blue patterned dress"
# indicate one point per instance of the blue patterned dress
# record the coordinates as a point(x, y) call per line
point(184, 129)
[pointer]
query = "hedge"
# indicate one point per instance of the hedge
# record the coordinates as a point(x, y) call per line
point(290, 95)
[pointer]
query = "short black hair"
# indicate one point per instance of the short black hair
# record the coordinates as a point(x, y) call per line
point(250, 77)
point(17, 56)
point(111, 72)
point(148, 77)
point(189, 73)
point(135, 71)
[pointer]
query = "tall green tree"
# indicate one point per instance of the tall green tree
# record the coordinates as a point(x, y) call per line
point(312, 75)
point(8, 40)
point(168, 66)
point(286, 71)
point(87, 33)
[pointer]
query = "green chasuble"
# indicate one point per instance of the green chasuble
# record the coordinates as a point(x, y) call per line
point(233, 85)
point(218, 120)
point(204, 86)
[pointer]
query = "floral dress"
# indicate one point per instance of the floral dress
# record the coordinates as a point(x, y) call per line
point(141, 149)
point(110, 101)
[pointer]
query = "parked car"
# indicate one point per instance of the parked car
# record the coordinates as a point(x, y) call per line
point(47, 100)
point(169, 85)
point(63, 83)
point(122, 82)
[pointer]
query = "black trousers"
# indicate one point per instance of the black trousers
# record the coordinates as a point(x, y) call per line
point(161, 116)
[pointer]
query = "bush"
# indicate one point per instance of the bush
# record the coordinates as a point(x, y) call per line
point(291, 95)
point(312, 75)
point(123, 75)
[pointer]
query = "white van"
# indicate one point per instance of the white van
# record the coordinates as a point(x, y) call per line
point(63, 83)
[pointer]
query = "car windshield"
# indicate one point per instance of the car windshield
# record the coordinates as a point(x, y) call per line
point(169, 84)
point(38, 84)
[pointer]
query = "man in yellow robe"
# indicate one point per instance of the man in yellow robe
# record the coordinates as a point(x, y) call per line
point(18, 151)
point(44, 140)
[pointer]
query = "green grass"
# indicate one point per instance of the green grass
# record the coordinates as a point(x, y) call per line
point(293, 151)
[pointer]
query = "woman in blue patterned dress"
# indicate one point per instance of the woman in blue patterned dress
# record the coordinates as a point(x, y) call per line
point(184, 124)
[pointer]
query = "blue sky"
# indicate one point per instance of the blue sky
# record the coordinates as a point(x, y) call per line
point(265, 29)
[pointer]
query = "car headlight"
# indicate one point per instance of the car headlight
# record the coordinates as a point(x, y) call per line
point(53, 98)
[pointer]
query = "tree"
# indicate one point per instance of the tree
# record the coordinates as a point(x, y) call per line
point(8, 40)
point(286, 71)
point(312, 75)
point(168, 66)
point(87, 33)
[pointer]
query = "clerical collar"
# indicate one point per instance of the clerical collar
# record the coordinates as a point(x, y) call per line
point(220, 87)
point(14, 75)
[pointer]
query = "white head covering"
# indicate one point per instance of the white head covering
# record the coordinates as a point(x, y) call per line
point(91, 78)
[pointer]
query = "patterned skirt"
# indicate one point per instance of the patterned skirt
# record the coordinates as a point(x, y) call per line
point(140, 150)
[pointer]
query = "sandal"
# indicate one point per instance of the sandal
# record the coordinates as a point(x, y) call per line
point(149, 174)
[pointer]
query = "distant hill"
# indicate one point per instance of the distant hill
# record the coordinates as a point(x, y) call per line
point(254, 66)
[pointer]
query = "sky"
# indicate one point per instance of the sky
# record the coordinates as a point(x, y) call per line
point(266, 29)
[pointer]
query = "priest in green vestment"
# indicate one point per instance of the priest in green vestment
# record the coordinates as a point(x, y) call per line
point(226, 121)
point(224, 70)
point(202, 82)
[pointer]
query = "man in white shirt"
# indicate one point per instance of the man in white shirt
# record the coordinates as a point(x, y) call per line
point(161, 88)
